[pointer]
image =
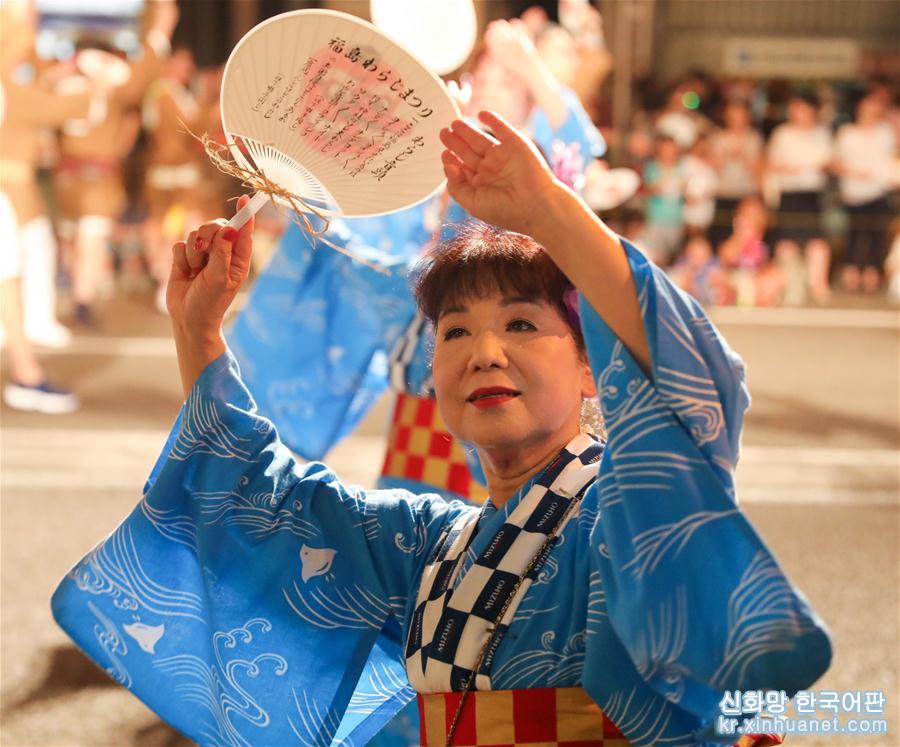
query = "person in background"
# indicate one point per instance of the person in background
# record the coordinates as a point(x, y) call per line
point(737, 155)
point(173, 172)
point(677, 120)
point(25, 108)
point(89, 173)
point(701, 181)
point(584, 22)
point(798, 157)
point(892, 263)
point(745, 251)
point(699, 272)
point(866, 162)
point(664, 182)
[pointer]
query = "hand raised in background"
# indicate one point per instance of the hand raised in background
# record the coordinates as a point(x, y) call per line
point(500, 179)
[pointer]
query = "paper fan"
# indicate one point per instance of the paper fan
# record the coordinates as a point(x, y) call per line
point(606, 189)
point(441, 32)
point(334, 113)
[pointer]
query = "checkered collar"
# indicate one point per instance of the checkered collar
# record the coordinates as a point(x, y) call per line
point(476, 565)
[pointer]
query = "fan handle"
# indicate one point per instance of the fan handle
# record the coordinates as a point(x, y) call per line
point(249, 210)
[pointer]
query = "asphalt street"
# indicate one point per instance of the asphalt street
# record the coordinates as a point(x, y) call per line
point(818, 477)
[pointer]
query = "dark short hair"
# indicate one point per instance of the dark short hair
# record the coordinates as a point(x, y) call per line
point(807, 96)
point(480, 260)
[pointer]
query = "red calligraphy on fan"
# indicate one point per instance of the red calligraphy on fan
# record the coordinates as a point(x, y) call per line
point(350, 106)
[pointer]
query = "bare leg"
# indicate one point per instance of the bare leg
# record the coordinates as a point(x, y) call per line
point(91, 257)
point(23, 364)
point(850, 278)
point(818, 261)
point(39, 285)
point(871, 280)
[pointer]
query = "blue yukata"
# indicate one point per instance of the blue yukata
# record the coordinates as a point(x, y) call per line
point(315, 336)
point(243, 599)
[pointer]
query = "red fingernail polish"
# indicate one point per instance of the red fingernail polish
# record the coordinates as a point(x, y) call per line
point(199, 243)
point(229, 234)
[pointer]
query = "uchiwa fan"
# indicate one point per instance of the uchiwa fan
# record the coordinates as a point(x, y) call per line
point(326, 114)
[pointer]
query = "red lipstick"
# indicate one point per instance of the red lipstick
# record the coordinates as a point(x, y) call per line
point(491, 396)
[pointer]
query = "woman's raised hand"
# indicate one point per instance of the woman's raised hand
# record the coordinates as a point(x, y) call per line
point(207, 271)
point(500, 179)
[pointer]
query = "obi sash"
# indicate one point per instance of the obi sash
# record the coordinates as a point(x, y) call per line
point(549, 717)
point(421, 449)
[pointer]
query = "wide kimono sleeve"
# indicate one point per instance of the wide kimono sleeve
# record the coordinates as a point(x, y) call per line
point(576, 128)
point(314, 336)
point(681, 578)
point(242, 599)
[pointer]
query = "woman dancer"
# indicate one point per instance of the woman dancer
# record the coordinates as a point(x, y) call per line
point(243, 598)
point(372, 334)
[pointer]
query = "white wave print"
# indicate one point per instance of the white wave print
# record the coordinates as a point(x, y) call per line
point(383, 685)
point(214, 687)
point(261, 513)
point(416, 545)
point(171, 524)
point(609, 391)
point(398, 607)
point(548, 571)
point(114, 568)
point(203, 431)
point(545, 667)
point(113, 646)
point(314, 726)
point(596, 606)
point(695, 399)
point(638, 417)
point(644, 726)
point(682, 335)
point(652, 545)
point(762, 618)
point(660, 645)
point(352, 607)
point(526, 613)
point(370, 527)
point(587, 517)
point(645, 470)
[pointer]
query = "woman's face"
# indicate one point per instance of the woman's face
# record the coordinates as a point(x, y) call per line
point(508, 373)
point(737, 116)
point(801, 113)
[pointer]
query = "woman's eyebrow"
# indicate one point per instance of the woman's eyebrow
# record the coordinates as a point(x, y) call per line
point(512, 300)
point(457, 309)
point(506, 301)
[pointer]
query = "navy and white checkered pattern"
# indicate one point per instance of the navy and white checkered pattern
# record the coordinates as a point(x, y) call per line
point(453, 619)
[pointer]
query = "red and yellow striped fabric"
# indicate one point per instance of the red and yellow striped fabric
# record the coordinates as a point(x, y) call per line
point(546, 717)
point(421, 448)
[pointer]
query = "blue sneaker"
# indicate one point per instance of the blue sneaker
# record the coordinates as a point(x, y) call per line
point(43, 397)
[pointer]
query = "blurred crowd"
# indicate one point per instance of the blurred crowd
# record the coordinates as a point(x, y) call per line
point(768, 194)
point(748, 193)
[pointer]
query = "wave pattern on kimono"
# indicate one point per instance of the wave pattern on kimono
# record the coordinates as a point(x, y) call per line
point(243, 598)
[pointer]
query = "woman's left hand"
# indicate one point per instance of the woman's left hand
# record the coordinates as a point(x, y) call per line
point(501, 180)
